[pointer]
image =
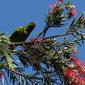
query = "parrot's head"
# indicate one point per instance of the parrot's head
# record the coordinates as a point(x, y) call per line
point(31, 25)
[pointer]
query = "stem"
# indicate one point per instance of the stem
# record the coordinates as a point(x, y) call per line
point(44, 31)
point(58, 35)
point(21, 43)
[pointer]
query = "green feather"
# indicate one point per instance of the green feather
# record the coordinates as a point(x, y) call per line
point(22, 33)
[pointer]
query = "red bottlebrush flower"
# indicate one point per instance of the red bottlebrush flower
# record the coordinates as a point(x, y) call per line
point(60, 2)
point(68, 72)
point(81, 80)
point(52, 8)
point(72, 12)
point(78, 81)
point(79, 65)
point(73, 77)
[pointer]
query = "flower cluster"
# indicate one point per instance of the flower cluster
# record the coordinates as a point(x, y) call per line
point(56, 8)
point(79, 65)
point(59, 7)
point(58, 14)
point(75, 74)
point(73, 77)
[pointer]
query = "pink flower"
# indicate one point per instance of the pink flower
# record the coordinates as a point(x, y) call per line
point(60, 2)
point(72, 12)
point(52, 8)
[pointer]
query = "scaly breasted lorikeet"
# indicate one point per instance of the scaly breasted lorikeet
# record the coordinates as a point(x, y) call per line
point(22, 33)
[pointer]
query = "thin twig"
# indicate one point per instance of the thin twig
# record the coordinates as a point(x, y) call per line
point(58, 35)
point(21, 43)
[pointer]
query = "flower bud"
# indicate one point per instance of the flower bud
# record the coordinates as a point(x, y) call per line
point(60, 2)
point(72, 12)
point(52, 8)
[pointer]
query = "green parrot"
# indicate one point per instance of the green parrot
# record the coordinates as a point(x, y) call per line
point(22, 33)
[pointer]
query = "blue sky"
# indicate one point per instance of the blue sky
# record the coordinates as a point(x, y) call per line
point(14, 13)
